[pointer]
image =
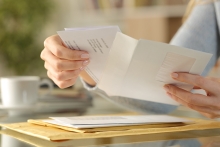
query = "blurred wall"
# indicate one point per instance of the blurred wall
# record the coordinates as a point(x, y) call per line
point(157, 22)
point(151, 21)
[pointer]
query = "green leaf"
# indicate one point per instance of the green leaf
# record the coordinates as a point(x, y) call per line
point(20, 24)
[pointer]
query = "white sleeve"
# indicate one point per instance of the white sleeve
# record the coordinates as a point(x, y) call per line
point(131, 104)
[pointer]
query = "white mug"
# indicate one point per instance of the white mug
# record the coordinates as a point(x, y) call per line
point(8, 141)
point(21, 91)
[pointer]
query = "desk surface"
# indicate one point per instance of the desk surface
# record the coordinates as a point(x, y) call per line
point(192, 138)
point(204, 138)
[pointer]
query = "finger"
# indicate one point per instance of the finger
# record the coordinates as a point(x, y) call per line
point(60, 64)
point(213, 79)
point(62, 75)
point(54, 44)
point(208, 115)
point(212, 143)
point(42, 55)
point(196, 87)
point(196, 99)
point(66, 84)
point(50, 75)
point(196, 80)
point(62, 84)
point(212, 113)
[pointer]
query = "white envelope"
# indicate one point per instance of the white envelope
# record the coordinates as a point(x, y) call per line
point(107, 121)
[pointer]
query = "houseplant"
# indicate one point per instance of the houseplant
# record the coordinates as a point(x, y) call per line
point(20, 25)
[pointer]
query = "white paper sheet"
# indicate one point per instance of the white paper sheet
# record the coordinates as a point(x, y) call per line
point(106, 121)
point(55, 122)
point(172, 63)
point(90, 28)
point(97, 41)
point(117, 64)
point(145, 73)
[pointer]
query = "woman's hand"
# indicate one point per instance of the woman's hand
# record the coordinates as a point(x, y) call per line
point(63, 64)
point(208, 105)
point(212, 143)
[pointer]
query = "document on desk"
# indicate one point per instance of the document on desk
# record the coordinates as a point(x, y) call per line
point(109, 121)
point(97, 41)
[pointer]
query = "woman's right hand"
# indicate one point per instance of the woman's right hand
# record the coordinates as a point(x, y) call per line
point(63, 64)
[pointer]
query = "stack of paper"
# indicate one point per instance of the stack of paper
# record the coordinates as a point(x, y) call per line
point(133, 68)
point(110, 121)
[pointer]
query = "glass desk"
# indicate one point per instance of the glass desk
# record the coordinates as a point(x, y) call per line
point(208, 138)
point(203, 138)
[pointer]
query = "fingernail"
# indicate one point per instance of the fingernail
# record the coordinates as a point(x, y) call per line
point(166, 87)
point(85, 56)
point(174, 75)
point(82, 68)
point(86, 62)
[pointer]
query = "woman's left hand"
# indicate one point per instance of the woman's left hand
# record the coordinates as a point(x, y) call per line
point(209, 105)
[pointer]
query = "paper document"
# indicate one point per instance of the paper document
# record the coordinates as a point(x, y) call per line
point(107, 121)
point(97, 41)
point(126, 67)
point(140, 69)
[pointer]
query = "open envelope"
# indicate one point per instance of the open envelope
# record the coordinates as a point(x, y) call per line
point(139, 69)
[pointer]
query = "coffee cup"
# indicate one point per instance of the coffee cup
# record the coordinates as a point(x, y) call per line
point(22, 91)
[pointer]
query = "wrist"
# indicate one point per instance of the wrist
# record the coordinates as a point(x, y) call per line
point(85, 76)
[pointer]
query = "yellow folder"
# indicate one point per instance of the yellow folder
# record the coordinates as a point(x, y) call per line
point(38, 128)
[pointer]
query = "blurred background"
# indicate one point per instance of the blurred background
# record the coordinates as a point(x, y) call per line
point(25, 24)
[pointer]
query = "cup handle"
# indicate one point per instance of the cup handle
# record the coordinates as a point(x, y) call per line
point(49, 84)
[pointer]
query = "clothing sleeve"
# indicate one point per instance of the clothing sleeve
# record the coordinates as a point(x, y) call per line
point(200, 32)
point(131, 104)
